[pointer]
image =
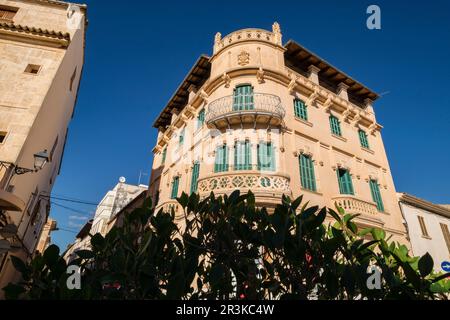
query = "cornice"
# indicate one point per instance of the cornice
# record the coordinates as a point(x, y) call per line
point(31, 34)
point(56, 3)
point(289, 78)
point(423, 204)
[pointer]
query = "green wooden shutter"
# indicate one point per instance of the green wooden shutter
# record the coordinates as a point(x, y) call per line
point(248, 156)
point(260, 155)
point(181, 137)
point(221, 163)
point(164, 155)
point(242, 155)
point(195, 174)
point(218, 159)
point(266, 157)
point(376, 194)
point(175, 183)
point(300, 109)
point(225, 158)
point(307, 176)
point(335, 126)
point(345, 182)
point(363, 139)
point(271, 156)
point(243, 98)
point(201, 118)
point(238, 155)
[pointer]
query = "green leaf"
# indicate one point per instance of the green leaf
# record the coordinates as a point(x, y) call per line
point(296, 203)
point(441, 277)
point(85, 254)
point(334, 215)
point(367, 245)
point(426, 265)
point(183, 200)
point(13, 291)
point(51, 255)
point(378, 234)
point(19, 265)
point(97, 241)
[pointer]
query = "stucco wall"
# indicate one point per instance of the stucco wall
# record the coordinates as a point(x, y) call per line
point(230, 67)
point(434, 244)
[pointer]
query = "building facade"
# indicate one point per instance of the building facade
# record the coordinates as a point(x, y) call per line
point(82, 242)
point(45, 239)
point(41, 61)
point(428, 227)
point(113, 202)
point(110, 206)
point(274, 119)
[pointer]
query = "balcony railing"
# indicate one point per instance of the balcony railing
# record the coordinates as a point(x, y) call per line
point(257, 182)
point(258, 107)
point(354, 205)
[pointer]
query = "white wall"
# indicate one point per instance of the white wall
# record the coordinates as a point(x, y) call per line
point(435, 244)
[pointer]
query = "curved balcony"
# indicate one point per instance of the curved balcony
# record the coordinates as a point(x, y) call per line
point(262, 184)
point(259, 108)
point(354, 205)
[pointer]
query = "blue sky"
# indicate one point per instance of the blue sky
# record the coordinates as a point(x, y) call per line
point(136, 56)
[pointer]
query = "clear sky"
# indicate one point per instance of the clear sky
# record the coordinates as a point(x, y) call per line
point(138, 52)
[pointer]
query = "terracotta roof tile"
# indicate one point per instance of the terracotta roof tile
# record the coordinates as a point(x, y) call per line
point(37, 31)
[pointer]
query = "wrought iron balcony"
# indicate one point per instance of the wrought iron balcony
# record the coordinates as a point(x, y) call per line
point(257, 108)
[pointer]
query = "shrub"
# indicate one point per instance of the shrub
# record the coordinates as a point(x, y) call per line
point(227, 248)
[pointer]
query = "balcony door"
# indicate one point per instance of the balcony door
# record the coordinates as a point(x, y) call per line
point(243, 98)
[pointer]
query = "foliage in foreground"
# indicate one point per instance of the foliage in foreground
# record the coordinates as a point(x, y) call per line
point(226, 248)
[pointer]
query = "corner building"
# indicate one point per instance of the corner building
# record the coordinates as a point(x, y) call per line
point(274, 119)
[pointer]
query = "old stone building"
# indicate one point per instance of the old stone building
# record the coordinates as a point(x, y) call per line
point(41, 61)
point(274, 119)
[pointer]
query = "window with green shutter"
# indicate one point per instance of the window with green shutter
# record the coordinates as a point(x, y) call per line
point(376, 194)
point(181, 137)
point(221, 163)
point(335, 126)
point(195, 174)
point(307, 177)
point(175, 183)
point(345, 182)
point(266, 156)
point(300, 109)
point(363, 139)
point(242, 155)
point(201, 118)
point(243, 98)
point(164, 155)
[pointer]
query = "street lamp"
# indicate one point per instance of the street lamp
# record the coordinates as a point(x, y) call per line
point(40, 160)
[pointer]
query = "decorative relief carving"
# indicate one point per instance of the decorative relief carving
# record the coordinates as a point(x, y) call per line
point(226, 78)
point(356, 119)
point(292, 83)
point(346, 114)
point(327, 104)
point(260, 75)
point(257, 182)
point(243, 58)
point(312, 99)
point(203, 95)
